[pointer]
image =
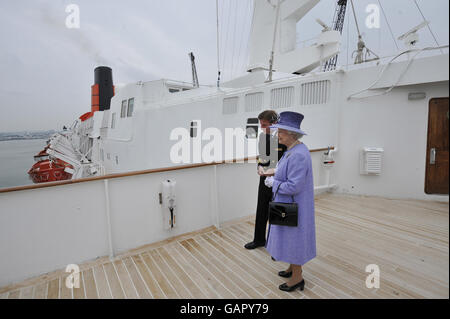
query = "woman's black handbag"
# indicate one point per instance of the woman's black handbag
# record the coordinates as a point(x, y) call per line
point(283, 214)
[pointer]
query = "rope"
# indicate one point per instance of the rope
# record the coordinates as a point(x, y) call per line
point(352, 96)
point(234, 39)
point(356, 21)
point(217, 37)
point(247, 52)
point(226, 42)
point(348, 39)
point(428, 25)
point(242, 37)
point(389, 26)
point(273, 41)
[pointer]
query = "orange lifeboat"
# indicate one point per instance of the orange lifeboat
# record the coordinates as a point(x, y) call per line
point(48, 170)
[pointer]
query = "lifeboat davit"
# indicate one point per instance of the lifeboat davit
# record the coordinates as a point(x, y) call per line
point(48, 170)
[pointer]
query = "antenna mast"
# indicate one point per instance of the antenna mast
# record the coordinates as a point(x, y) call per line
point(194, 71)
point(274, 38)
point(338, 25)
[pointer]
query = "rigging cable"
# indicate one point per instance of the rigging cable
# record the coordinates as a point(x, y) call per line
point(389, 26)
point(360, 56)
point(274, 38)
point(356, 21)
point(428, 25)
point(348, 39)
point(226, 42)
point(244, 24)
point(234, 38)
point(217, 37)
point(247, 52)
point(352, 96)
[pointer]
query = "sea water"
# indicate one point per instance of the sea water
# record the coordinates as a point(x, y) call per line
point(16, 158)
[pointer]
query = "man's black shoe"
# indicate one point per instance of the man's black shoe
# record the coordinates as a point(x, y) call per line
point(253, 245)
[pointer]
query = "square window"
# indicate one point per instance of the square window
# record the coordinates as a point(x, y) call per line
point(123, 110)
point(193, 129)
point(113, 120)
point(130, 107)
point(252, 128)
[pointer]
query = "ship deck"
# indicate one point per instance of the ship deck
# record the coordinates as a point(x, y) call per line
point(407, 239)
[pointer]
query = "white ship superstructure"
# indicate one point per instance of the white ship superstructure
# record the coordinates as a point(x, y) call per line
point(375, 130)
point(134, 132)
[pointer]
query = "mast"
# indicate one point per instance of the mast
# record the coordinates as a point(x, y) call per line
point(273, 41)
point(338, 25)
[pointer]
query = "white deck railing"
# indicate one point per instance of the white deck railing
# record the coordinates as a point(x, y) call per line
point(45, 228)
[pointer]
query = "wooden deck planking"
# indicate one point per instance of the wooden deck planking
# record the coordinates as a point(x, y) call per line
point(125, 279)
point(200, 287)
point(89, 283)
point(137, 279)
point(53, 289)
point(114, 282)
point(170, 275)
point(162, 282)
point(407, 239)
point(40, 291)
point(79, 293)
point(103, 290)
point(64, 292)
point(251, 289)
point(150, 282)
point(182, 277)
point(384, 258)
point(27, 293)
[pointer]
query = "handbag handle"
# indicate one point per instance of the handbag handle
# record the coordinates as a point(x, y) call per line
point(273, 197)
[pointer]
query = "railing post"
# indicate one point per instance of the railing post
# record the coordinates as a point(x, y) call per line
point(108, 219)
point(215, 199)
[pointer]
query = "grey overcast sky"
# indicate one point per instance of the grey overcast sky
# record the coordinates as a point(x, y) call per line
point(46, 69)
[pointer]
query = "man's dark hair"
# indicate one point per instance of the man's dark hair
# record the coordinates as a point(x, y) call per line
point(268, 115)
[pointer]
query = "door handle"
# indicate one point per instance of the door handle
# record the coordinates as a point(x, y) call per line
point(433, 156)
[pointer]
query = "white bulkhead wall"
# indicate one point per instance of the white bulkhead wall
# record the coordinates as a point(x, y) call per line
point(287, 58)
point(119, 139)
point(261, 37)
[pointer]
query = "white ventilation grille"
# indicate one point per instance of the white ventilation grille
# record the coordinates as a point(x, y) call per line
point(253, 101)
point(371, 160)
point(230, 105)
point(316, 92)
point(282, 97)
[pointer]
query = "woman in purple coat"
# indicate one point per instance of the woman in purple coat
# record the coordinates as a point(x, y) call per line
point(294, 180)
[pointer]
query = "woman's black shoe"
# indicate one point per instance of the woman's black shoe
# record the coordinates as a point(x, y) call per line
point(300, 285)
point(285, 274)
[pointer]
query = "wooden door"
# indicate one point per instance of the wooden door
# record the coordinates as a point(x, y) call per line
point(436, 172)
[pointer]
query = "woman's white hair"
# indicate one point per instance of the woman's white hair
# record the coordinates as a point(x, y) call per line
point(295, 135)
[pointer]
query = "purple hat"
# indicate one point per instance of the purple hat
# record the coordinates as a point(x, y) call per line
point(290, 121)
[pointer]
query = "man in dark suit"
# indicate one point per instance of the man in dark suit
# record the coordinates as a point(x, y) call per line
point(269, 154)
